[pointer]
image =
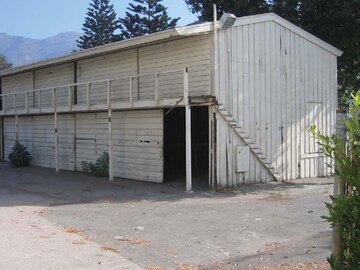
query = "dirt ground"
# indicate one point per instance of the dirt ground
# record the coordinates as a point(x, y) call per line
point(73, 221)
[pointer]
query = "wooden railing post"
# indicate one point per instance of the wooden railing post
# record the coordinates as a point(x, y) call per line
point(39, 100)
point(70, 100)
point(157, 76)
point(131, 93)
point(88, 95)
point(4, 103)
point(26, 102)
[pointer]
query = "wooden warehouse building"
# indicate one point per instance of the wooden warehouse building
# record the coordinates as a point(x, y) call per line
point(228, 106)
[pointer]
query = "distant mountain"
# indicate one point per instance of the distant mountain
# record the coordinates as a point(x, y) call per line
point(21, 51)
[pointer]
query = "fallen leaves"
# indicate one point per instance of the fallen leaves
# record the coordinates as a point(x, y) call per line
point(137, 241)
point(278, 197)
point(108, 247)
point(78, 232)
point(187, 267)
point(296, 266)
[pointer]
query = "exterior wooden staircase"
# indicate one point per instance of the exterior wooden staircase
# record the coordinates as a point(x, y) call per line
point(247, 140)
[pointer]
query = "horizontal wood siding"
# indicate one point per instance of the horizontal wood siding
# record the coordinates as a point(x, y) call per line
point(226, 175)
point(192, 52)
point(37, 134)
point(276, 84)
point(138, 145)
point(51, 77)
point(109, 66)
point(137, 141)
point(17, 83)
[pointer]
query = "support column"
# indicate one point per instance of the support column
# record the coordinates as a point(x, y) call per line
point(56, 131)
point(111, 172)
point(187, 132)
point(16, 120)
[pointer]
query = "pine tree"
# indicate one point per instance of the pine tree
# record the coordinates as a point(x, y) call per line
point(4, 64)
point(204, 8)
point(99, 26)
point(145, 17)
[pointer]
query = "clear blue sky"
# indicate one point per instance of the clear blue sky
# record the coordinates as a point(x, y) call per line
point(44, 18)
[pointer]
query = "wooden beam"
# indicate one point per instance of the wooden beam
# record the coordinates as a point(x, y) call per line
point(16, 120)
point(75, 85)
point(187, 132)
point(56, 130)
point(111, 172)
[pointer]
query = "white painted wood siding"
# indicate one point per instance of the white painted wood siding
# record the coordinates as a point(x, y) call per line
point(137, 141)
point(109, 66)
point(138, 145)
point(226, 175)
point(37, 134)
point(193, 53)
point(276, 84)
point(17, 83)
point(51, 77)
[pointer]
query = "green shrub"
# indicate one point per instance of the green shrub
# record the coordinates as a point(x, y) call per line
point(344, 210)
point(19, 156)
point(99, 168)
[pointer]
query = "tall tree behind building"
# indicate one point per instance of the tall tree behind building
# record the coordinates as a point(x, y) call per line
point(4, 64)
point(99, 26)
point(204, 8)
point(145, 17)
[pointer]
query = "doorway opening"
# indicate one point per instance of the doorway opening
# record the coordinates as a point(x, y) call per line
point(174, 146)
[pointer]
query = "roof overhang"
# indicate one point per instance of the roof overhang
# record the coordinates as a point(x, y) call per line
point(170, 34)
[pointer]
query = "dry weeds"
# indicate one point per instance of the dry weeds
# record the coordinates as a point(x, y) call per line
point(154, 267)
point(73, 230)
point(278, 197)
point(297, 266)
point(136, 241)
point(108, 247)
point(78, 242)
point(187, 267)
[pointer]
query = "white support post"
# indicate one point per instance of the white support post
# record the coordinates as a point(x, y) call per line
point(111, 173)
point(56, 131)
point(157, 88)
point(88, 95)
point(215, 53)
point(16, 120)
point(131, 93)
point(188, 132)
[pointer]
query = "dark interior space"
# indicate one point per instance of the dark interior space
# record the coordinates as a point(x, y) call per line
point(174, 146)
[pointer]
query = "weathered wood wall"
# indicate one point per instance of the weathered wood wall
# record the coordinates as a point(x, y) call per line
point(276, 83)
point(191, 52)
point(137, 141)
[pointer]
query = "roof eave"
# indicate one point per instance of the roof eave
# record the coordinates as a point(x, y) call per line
point(117, 46)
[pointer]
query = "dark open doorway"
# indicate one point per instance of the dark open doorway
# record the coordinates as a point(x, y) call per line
point(174, 146)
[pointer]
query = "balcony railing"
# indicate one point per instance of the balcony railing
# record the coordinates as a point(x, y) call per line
point(136, 91)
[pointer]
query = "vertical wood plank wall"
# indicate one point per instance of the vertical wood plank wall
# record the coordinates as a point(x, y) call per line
point(276, 83)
